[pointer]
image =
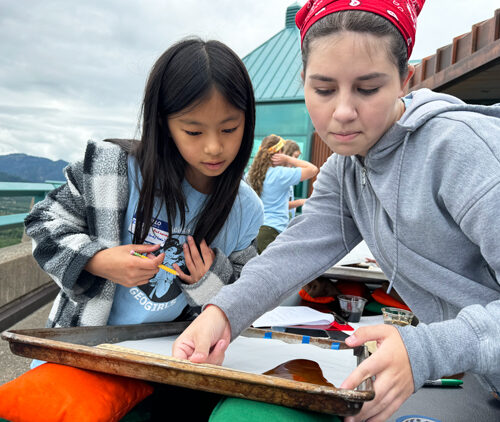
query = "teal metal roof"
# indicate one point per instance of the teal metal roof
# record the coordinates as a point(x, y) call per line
point(275, 66)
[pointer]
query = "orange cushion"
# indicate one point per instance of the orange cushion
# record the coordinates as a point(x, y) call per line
point(320, 299)
point(382, 297)
point(53, 393)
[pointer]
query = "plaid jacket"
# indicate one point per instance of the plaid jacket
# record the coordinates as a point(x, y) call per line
point(84, 216)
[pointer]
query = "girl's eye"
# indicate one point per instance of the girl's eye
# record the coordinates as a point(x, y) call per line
point(190, 133)
point(230, 130)
point(324, 92)
point(368, 91)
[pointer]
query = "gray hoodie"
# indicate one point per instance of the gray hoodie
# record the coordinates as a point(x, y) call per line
point(426, 199)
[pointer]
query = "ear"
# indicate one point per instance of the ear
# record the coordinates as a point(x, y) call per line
point(411, 72)
point(302, 76)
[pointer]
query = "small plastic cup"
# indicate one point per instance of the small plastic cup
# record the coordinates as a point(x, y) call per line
point(396, 316)
point(351, 307)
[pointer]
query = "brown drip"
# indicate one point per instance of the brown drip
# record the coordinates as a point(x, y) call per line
point(300, 370)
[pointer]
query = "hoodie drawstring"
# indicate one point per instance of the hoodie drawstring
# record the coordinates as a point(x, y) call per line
point(400, 167)
point(342, 204)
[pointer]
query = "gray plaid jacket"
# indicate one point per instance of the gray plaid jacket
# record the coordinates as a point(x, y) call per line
point(84, 216)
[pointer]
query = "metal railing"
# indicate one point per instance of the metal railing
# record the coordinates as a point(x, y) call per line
point(17, 189)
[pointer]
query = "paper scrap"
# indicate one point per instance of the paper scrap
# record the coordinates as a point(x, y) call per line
point(293, 315)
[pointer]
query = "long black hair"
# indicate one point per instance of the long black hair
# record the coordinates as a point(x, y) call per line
point(182, 78)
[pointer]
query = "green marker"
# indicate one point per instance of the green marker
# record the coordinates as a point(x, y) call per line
point(444, 383)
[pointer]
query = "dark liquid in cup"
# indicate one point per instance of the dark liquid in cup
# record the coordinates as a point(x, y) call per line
point(351, 316)
point(300, 370)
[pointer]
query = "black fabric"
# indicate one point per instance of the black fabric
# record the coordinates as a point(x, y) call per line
point(195, 405)
point(266, 235)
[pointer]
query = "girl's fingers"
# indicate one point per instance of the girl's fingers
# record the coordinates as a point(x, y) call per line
point(141, 283)
point(376, 362)
point(187, 256)
point(158, 259)
point(368, 368)
point(144, 248)
point(207, 253)
point(195, 254)
point(183, 349)
point(391, 394)
point(391, 367)
point(182, 275)
point(364, 334)
point(216, 356)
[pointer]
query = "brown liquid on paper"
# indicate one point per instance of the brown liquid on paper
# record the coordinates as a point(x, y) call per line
point(303, 370)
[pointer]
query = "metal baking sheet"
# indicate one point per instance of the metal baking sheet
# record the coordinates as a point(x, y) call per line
point(76, 347)
point(355, 273)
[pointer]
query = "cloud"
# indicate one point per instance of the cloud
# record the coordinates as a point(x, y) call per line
point(75, 70)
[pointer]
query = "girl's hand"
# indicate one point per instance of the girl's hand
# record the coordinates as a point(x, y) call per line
point(119, 266)
point(196, 264)
point(391, 367)
point(206, 339)
point(280, 159)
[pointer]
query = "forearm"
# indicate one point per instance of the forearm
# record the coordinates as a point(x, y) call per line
point(470, 342)
point(296, 203)
point(61, 245)
point(309, 170)
point(288, 263)
point(311, 244)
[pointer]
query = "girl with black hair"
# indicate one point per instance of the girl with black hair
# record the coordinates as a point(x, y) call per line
point(176, 196)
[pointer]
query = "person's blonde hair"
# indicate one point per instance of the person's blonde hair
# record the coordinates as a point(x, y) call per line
point(262, 162)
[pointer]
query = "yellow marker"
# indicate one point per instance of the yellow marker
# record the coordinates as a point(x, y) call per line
point(163, 267)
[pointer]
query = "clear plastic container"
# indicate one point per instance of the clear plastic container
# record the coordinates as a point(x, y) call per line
point(351, 307)
point(396, 316)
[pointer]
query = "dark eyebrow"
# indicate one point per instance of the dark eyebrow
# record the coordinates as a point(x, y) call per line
point(367, 77)
point(322, 78)
point(196, 123)
point(373, 75)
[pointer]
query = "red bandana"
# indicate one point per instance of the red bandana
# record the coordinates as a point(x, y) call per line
point(403, 14)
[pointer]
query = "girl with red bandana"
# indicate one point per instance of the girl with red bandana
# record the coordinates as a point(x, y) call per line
point(404, 178)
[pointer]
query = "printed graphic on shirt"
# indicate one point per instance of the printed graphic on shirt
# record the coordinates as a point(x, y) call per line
point(163, 287)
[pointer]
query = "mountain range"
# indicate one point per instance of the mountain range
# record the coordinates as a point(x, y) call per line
point(28, 168)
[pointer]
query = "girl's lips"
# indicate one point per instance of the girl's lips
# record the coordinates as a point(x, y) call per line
point(214, 166)
point(345, 136)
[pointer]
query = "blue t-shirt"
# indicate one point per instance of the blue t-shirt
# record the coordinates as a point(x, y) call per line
point(162, 299)
point(276, 193)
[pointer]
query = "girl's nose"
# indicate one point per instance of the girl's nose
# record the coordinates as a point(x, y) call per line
point(344, 109)
point(213, 145)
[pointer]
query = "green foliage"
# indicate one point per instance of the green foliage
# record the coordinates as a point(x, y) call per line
point(11, 236)
point(14, 205)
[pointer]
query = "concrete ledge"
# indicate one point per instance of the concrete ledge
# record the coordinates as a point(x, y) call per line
point(19, 272)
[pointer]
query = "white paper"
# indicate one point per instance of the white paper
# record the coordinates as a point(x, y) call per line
point(293, 315)
point(259, 355)
point(367, 321)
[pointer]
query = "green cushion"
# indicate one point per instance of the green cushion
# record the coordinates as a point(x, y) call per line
point(374, 307)
point(240, 410)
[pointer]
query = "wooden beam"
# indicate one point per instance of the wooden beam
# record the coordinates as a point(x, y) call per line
point(461, 68)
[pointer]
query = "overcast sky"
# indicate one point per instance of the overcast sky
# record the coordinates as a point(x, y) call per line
point(75, 70)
